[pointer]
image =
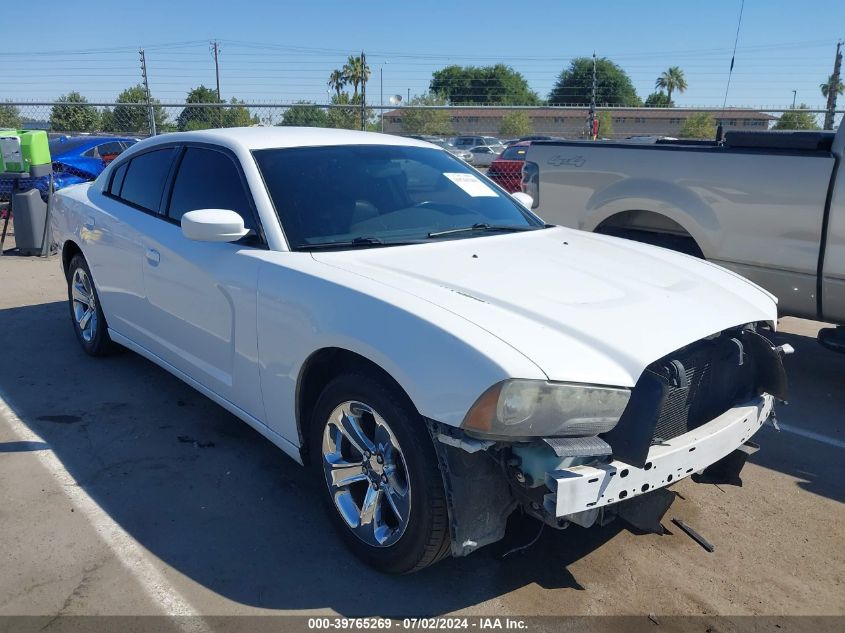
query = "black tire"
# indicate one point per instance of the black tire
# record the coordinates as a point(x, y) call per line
point(425, 539)
point(95, 340)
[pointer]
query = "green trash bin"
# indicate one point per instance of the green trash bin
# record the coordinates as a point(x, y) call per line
point(24, 151)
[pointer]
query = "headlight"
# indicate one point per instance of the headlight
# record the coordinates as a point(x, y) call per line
point(536, 408)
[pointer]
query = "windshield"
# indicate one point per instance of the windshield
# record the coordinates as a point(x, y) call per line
point(65, 144)
point(382, 194)
point(514, 152)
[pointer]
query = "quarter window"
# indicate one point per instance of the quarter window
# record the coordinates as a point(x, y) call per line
point(208, 179)
point(117, 179)
point(145, 177)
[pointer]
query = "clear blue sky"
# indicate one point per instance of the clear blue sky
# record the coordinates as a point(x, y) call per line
point(284, 51)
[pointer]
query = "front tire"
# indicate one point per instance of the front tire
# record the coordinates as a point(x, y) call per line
point(89, 323)
point(381, 483)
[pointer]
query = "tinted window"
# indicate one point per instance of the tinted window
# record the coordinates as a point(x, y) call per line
point(515, 152)
point(145, 178)
point(117, 179)
point(64, 144)
point(391, 193)
point(208, 179)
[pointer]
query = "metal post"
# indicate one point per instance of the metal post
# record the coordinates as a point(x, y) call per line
point(381, 95)
point(592, 116)
point(363, 91)
point(794, 94)
point(150, 108)
point(832, 88)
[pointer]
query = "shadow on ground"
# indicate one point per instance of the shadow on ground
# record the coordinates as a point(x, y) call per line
point(219, 503)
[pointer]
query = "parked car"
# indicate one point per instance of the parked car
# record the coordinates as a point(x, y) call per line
point(463, 154)
point(506, 169)
point(768, 205)
point(483, 155)
point(75, 159)
point(435, 352)
point(468, 142)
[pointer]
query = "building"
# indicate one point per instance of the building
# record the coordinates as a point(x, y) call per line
point(572, 122)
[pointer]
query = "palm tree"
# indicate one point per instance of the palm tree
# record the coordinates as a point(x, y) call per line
point(337, 81)
point(825, 87)
point(355, 72)
point(671, 80)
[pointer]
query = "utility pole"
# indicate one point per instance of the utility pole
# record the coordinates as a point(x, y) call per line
point(363, 91)
point(150, 108)
point(381, 95)
point(591, 119)
point(794, 94)
point(832, 88)
point(215, 52)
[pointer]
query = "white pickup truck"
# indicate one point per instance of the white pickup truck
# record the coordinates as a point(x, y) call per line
point(767, 205)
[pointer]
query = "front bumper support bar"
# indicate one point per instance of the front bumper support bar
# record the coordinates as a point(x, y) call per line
point(582, 488)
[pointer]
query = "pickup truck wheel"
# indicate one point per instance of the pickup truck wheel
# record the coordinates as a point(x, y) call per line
point(383, 488)
point(89, 324)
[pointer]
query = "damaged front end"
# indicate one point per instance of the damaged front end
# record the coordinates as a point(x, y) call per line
point(691, 412)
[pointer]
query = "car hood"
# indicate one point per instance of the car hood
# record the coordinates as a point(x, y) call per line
point(583, 307)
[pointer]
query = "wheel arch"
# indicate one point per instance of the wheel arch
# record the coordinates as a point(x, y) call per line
point(70, 249)
point(322, 366)
point(653, 228)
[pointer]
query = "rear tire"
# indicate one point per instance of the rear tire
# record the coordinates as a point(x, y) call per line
point(390, 507)
point(86, 315)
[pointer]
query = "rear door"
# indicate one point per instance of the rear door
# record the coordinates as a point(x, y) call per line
point(202, 295)
point(114, 239)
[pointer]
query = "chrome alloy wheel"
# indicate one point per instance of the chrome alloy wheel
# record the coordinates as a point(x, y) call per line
point(366, 474)
point(84, 304)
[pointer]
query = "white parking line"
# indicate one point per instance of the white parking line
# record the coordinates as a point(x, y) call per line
point(126, 549)
point(812, 435)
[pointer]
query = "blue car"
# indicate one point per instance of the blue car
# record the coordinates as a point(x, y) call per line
point(75, 159)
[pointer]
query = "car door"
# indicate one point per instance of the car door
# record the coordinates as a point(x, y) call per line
point(202, 295)
point(114, 241)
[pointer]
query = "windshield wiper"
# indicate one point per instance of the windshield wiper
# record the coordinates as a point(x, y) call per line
point(482, 227)
point(358, 242)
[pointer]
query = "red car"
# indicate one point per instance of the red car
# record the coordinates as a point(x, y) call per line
point(506, 169)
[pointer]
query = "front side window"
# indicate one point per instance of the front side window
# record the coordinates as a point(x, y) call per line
point(382, 194)
point(208, 179)
point(145, 177)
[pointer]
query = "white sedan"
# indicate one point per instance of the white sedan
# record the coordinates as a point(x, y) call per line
point(435, 352)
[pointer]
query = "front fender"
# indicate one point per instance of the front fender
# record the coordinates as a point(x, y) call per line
point(442, 361)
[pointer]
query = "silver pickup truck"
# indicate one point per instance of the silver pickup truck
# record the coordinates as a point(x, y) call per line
point(767, 205)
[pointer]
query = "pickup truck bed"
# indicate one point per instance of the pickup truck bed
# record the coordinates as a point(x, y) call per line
point(764, 204)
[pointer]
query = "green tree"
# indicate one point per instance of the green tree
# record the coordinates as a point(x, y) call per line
point(425, 121)
point(347, 117)
point(196, 117)
point(826, 87)
point(305, 114)
point(10, 116)
point(671, 80)
point(797, 119)
point(355, 72)
point(515, 124)
point(337, 81)
point(574, 84)
point(128, 117)
point(700, 126)
point(491, 85)
point(73, 114)
point(605, 124)
point(659, 100)
point(236, 115)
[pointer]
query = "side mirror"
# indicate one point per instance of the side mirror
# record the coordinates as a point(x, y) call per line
point(523, 198)
point(213, 225)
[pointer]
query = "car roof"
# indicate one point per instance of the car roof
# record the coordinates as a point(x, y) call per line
point(82, 143)
point(261, 137)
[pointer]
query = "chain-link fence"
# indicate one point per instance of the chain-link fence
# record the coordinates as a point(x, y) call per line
point(506, 123)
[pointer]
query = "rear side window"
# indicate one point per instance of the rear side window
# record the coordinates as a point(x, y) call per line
point(208, 179)
point(145, 178)
point(117, 179)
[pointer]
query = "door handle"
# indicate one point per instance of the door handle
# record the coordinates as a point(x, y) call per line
point(153, 257)
point(89, 222)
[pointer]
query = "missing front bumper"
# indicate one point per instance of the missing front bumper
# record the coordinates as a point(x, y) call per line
point(584, 488)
